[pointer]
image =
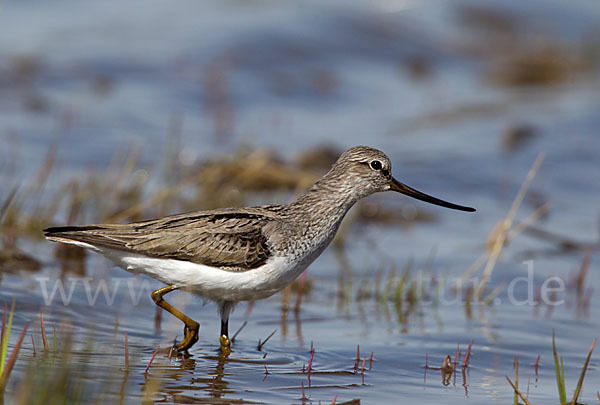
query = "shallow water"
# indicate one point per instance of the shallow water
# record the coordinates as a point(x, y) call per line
point(419, 82)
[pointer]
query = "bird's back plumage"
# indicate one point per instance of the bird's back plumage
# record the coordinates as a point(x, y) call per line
point(230, 239)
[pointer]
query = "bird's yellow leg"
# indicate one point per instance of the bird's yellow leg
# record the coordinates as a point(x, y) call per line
point(224, 338)
point(191, 327)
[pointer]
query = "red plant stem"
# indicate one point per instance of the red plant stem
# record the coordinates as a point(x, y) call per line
point(465, 362)
point(357, 359)
point(312, 354)
point(13, 358)
point(303, 394)
point(456, 356)
point(151, 359)
point(362, 370)
point(261, 344)
point(371, 361)
point(537, 364)
point(126, 353)
point(585, 264)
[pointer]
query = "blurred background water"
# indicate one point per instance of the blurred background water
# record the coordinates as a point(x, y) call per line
point(463, 96)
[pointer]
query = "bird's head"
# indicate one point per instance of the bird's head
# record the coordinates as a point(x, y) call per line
point(367, 170)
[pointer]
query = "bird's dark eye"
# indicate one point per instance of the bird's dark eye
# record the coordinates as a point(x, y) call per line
point(376, 165)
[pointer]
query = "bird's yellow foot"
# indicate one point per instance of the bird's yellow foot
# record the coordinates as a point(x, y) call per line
point(225, 345)
point(190, 337)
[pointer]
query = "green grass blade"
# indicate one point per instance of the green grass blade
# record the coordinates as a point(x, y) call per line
point(560, 378)
point(2, 338)
point(5, 338)
point(583, 370)
point(519, 393)
point(13, 358)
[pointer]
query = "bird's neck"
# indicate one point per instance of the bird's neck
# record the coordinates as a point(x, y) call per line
point(327, 199)
point(317, 215)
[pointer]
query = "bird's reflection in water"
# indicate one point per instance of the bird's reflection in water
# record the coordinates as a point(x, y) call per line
point(172, 383)
point(205, 376)
point(218, 385)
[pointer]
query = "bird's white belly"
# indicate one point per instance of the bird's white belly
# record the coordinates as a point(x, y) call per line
point(210, 282)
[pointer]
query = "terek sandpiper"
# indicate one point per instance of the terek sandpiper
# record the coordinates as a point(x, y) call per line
point(241, 254)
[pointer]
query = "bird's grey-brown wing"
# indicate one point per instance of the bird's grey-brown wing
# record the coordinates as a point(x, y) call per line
point(231, 239)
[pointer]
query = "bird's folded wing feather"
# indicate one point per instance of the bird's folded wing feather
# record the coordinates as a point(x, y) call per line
point(229, 239)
